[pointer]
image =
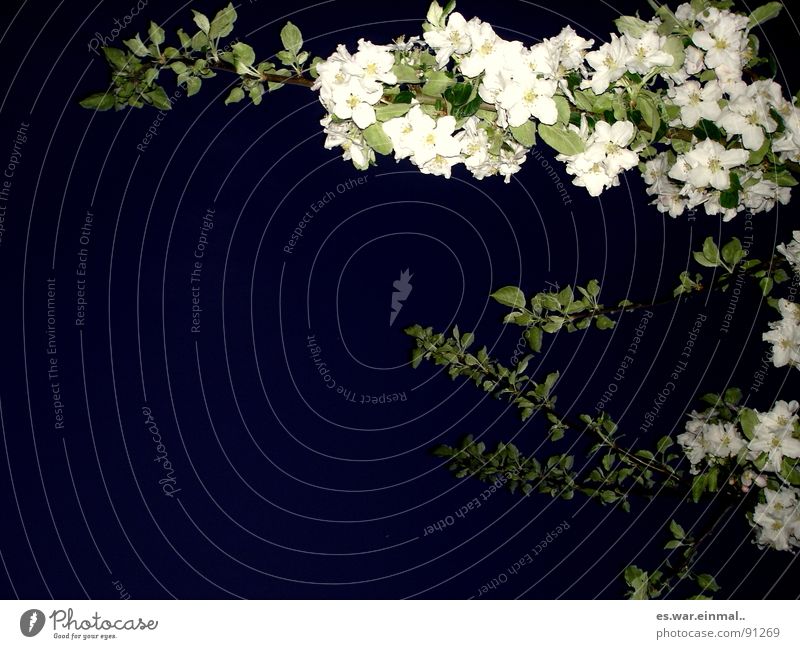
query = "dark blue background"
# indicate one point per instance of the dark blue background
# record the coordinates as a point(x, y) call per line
point(287, 490)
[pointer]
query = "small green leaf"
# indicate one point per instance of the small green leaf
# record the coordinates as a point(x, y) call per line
point(748, 420)
point(674, 46)
point(99, 101)
point(156, 34)
point(698, 486)
point(604, 322)
point(376, 137)
point(732, 252)
point(405, 73)
point(510, 296)
point(115, 57)
point(193, 86)
point(525, 134)
point(385, 112)
point(244, 57)
point(700, 258)
point(158, 97)
point(186, 40)
point(236, 95)
point(710, 251)
point(764, 13)
point(534, 337)
point(458, 94)
point(707, 582)
point(562, 105)
point(437, 83)
point(561, 139)
point(677, 531)
point(201, 21)
point(291, 38)
point(222, 25)
point(136, 46)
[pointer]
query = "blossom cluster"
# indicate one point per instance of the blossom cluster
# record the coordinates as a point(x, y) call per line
point(668, 95)
point(784, 334)
point(762, 448)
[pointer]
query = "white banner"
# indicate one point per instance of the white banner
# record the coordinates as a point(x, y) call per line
point(399, 624)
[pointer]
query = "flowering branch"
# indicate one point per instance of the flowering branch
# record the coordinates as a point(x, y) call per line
point(668, 96)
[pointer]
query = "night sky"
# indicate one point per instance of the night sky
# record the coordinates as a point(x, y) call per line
point(192, 407)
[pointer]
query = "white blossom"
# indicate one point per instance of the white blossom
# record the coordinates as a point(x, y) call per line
point(784, 335)
point(777, 520)
point(773, 435)
point(791, 251)
point(723, 38)
point(647, 52)
point(708, 163)
point(453, 39)
point(610, 62)
point(605, 156)
point(704, 440)
point(696, 101)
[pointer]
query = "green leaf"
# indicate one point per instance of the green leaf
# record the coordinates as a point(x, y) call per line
point(158, 97)
point(244, 57)
point(748, 420)
point(437, 83)
point(222, 25)
point(647, 107)
point(707, 582)
point(674, 46)
point(256, 93)
point(561, 139)
point(186, 40)
point(766, 284)
point(584, 100)
point(510, 296)
point(405, 73)
point(710, 251)
point(534, 337)
point(732, 252)
point(604, 322)
point(99, 101)
point(632, 26)
point(291, 38)
point(525, 134)
point(671, 545)
point(677, 531)
point(700, 258)
point(236, 95)
point(376, 137)
point(458, 94)
point(193, 86)
point(783, 178)
point(764, 13)
point(201, 21)
point(562, 105)
point(156, 34)
point(757, 156)
point(136, 46)
point(385, 112)
point(790, 470)
point(698, 486)
point(729, 199)
point(115, 57)
point(707, 130)
point(199, 41)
